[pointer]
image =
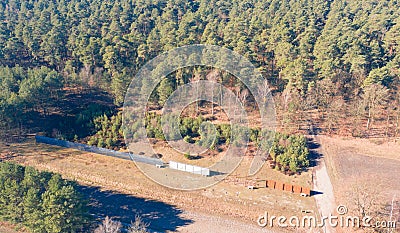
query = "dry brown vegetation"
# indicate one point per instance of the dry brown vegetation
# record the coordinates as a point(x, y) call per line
point(364, 174)
point(229, 198)
point(8, 228)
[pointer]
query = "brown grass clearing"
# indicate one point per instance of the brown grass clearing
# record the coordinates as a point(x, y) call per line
point(223, 199)
point(360, 163)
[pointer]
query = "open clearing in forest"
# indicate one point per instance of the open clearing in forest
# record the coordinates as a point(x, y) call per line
point(224, 200)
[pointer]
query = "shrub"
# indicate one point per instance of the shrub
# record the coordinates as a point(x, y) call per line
point(188, 156)
point(188, 139)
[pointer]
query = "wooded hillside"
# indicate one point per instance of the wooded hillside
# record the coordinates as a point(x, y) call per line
point(333, 65)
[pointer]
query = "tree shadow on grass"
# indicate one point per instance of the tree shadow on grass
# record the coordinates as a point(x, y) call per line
point(124, 208)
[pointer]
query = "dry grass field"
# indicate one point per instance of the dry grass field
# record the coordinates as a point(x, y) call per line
point(352, 161)
point(225, 199)
point(364, 169)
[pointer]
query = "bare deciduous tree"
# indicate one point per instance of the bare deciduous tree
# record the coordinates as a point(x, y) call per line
point(365, 199)
point(213, 76)
point(373, 99)
point(263, 91)
point(196, 77)
point(109, 226)
point(138, 226)
point(334, 113)
point(243, 97)
point(397, 121)
point(393, 212)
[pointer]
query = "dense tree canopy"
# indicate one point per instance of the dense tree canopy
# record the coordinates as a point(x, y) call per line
point(300, 46)
point(40, 201)
point(300, 40)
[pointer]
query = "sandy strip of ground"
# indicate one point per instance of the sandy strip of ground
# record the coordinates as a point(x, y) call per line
point(322, 183)
point(215, 224)
point(326, 200)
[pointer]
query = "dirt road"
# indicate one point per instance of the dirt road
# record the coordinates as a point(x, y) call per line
point(325, 199)
point(207, 223)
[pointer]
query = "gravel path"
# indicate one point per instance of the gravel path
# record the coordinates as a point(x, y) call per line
point(322, 183)
point(206, 223)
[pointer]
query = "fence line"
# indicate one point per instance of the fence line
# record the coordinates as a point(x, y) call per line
point(189, 168)
point(97, 150)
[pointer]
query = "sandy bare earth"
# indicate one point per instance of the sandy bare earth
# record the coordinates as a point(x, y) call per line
point(215, 224)
point(325, 199)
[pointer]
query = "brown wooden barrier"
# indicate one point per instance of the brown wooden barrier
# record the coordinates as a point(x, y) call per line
point(279, 185)
point(271, 184)
point(288, 187)
point(306, 191)
point(296, 189)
